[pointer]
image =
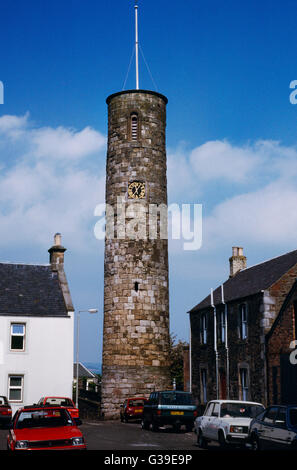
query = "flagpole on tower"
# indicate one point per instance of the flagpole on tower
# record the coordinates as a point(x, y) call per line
point(136, 45)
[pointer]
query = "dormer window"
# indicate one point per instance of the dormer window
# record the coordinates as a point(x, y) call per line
point(134, 126)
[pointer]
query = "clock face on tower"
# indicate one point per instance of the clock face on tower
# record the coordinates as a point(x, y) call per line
point(136, 190)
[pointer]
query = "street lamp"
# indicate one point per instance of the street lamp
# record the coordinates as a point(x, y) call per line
point(90, 310)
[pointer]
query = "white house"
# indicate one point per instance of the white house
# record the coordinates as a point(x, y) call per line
point(36, 330)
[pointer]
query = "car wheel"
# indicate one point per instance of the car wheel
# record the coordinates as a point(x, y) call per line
point(155, 427)
point(145, 425)
point(201, 441)
point(255, 444)
point(222, 440)
point(177, 427)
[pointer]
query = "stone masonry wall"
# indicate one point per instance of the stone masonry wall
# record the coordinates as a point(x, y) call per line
point(136, 316)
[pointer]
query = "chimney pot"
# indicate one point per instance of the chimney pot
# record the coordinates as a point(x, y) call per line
point(58, 239)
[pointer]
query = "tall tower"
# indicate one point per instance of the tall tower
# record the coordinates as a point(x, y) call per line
point(136, 300)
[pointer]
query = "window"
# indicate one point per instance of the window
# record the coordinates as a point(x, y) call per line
point(17, 337)
point(204, 385)
point(53, 418)
point(222, 326)
point(209, 409)
point(203, 329)
point(281, 418)
point(216, 410)
point(270, 415)
point(15, 387)
point(243, 329)
point(293, 416)
point(175, 398)
point(240, 410)
point(274, 384)
point(295, 319)
point(134, 126)
point(244, 384)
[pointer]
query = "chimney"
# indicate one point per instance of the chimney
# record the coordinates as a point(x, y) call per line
point(237, 260)
point(57, 253)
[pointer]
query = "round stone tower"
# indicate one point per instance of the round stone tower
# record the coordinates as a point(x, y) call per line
point(136, 300)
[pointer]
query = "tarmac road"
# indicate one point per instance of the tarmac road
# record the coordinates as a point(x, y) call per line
point(114, 435)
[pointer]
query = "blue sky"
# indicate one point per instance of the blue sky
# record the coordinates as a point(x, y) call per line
point(225, 67)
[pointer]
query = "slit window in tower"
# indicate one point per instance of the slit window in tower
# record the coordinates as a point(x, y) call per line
point(134, 126)
point(136, 286)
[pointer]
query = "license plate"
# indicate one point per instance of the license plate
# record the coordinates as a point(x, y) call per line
point(138, 411)
point(177, 413)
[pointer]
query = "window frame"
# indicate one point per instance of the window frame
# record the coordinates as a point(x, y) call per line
point(243, 321)
point(203, 378)
point(21, 387)
point(134, 128)
point(244, 384)
point(222, 326)
point(203, 329)
point(23, 335)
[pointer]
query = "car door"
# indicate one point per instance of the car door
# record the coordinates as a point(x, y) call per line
point(206, 421)
point(283, 437)
point(266, 433)
point(214, 422)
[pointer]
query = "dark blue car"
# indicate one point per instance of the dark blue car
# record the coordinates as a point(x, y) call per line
point(275, 428)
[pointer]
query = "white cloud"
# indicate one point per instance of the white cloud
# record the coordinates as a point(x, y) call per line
point(54, 185)
point(8, 122)
point(219, 159)
point(256, 191)
point(41, 196)
point(66, 143)
point(267, 216)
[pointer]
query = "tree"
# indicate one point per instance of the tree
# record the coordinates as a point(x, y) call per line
point(176, 358)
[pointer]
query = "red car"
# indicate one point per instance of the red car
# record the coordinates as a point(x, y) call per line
point(132, 408)
point(60, 401)
point(44, 428)
point(5, 411)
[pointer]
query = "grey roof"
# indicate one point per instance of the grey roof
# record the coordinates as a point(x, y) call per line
point(251, 280)
point(82, 371)
point(30, 290)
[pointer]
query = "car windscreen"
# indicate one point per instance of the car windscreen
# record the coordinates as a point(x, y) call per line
point(59, 401)
point(136, 402)
point(43, 419)
point(3, 401)
point(293, 416)
point(176, 399)
point(240, 410)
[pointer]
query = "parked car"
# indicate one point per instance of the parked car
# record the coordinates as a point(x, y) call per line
point(169, 408)
point(132, 408)
point(61, 401)
point(226, 421)
point(275, 428)
point(44, 428)
point(5, 411)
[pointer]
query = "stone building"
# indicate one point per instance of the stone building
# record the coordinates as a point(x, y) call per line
point(255, 317)
point(136, 300)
